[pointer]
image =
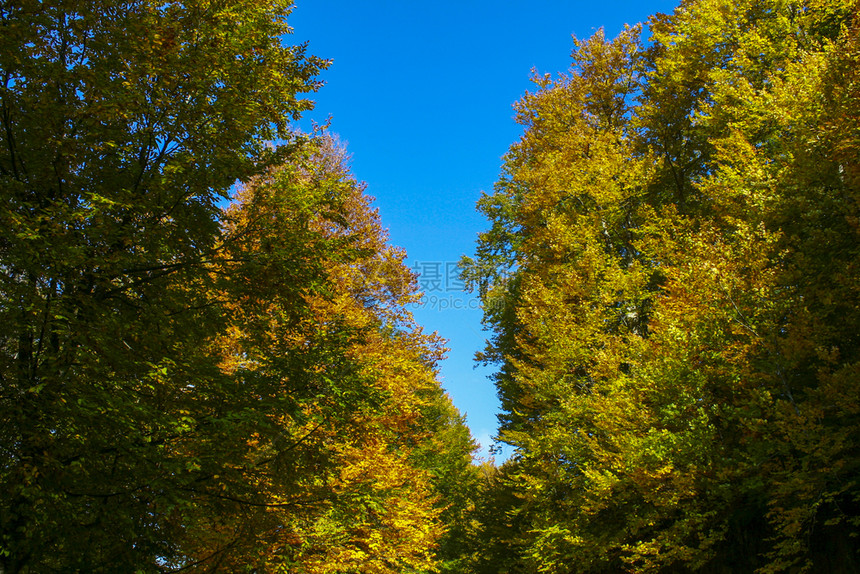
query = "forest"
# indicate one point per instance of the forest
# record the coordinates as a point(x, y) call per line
point(208, 361)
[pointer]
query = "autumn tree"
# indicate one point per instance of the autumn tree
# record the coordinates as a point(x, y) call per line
point(671, 276)
point(350, 442)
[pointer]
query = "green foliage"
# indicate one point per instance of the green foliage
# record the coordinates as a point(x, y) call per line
point(185, 386)
point(124, 124)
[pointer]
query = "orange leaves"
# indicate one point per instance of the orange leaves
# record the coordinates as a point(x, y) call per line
point(339, 382)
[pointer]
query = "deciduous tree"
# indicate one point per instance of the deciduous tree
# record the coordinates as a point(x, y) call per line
point(124, 124)
point(669, 274)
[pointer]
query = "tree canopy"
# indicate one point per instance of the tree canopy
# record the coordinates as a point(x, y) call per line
point(671, 279)
point(207, 362)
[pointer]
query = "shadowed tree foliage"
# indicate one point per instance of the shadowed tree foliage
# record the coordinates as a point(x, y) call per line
point(184, 386)
point(123, 126)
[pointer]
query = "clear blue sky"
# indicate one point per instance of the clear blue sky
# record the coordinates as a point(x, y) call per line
point(422, 93)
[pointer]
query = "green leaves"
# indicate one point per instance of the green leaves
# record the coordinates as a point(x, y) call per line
point(124, 124)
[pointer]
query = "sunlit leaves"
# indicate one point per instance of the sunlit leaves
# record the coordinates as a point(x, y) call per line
point(677, 230)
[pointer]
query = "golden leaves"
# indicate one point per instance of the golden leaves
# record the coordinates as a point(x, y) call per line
point(680, 269)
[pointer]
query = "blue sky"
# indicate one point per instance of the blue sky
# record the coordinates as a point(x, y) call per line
point(422, 94)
